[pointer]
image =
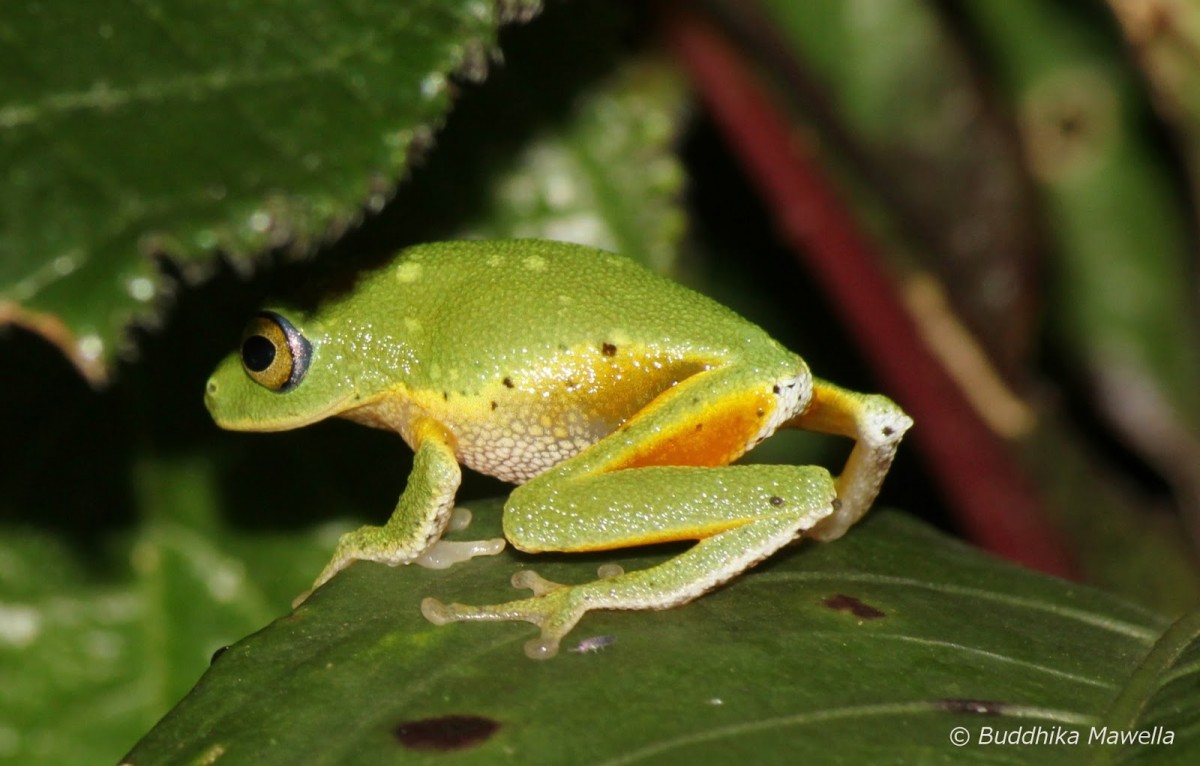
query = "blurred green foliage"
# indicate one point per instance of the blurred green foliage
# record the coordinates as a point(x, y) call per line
point(166, 167)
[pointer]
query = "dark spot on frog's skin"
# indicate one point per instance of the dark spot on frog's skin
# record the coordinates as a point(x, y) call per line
point(976, 707)
point(775, 390)
point(608, 349)
point(218, 653)
point(449, 732)
point(776, 500)
point(844, 603)
point(887, 431)
point(494, 405)
point(507, 382)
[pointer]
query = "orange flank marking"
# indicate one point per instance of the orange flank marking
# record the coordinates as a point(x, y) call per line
point(716, 434)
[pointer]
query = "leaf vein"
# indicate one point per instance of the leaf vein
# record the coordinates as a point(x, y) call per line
point(1141, 633)
point(809, 718)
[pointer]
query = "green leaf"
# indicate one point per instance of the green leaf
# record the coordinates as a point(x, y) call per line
point(138, 130)
point(567, 141)
point(131, 496)
point(605, 176)
point(866, 650)
point(88, 661)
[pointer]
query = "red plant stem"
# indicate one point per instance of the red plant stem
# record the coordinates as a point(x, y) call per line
point(992, 496)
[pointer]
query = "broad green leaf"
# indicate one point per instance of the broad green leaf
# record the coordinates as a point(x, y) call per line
point(867, 650)
point(131, 496)
point(605, 177)
point(129, 132)
point(567, 141)
point(89, 660)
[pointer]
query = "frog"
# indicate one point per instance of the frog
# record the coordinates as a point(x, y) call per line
point(615, 399)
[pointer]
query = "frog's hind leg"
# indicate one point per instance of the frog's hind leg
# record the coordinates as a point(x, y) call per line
point(877, 425)
point(740, 514)
point(664, 476)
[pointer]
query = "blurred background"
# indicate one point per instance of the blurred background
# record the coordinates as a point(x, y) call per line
point(986, 210)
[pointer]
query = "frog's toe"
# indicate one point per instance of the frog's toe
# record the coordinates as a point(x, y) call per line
point(298, 600)
point(437, 612)
point(527, 578)
point(460, 518)
point(343, 556)
point(554, 613)
point(541, 648)
point(605, 571)
point(447, 553)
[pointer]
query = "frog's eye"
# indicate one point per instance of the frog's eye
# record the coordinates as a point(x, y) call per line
point(274, 353)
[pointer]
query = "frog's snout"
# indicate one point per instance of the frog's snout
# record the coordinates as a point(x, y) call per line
point(210, 395)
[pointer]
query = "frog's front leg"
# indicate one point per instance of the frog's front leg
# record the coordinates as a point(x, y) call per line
point(413, 533)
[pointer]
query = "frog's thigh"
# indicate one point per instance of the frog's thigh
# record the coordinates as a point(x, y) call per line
point(709, 419)
point(664, 475)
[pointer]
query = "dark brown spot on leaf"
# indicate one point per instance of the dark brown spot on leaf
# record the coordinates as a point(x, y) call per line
point(977, 707)
point(844, 603)
point(608, 349)
point(507, 382)
point(449, 732)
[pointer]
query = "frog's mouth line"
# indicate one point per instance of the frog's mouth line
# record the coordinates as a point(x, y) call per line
point(268, 425)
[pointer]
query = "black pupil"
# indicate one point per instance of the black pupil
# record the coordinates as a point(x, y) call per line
point(257, 353)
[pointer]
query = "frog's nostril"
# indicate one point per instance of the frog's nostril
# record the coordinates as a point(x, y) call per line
point(211, 388)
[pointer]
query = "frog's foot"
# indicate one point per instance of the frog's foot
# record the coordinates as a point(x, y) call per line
point(366, 543)
point(555, 608)
point(381, 545)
